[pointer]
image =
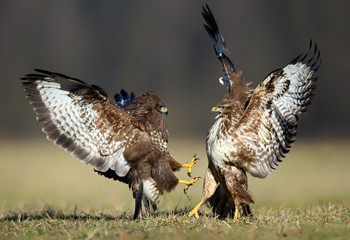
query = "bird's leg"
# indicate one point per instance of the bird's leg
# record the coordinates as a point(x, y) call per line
point(189, 183)
point(154, 206)
point(194, 211)
point(247, 212)
point(138, 202)
point(146, 204)
point(190, 165)
point(209, 187)
point(235, 218)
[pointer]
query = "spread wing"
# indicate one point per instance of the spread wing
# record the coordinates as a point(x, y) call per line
point(81, 119)
point(268, 127)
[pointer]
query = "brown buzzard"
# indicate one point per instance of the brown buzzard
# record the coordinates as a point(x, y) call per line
point(128, 143)
point(253, 132)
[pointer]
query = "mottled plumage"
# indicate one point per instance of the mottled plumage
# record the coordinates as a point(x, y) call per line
point(128, 143)
point(253, 131)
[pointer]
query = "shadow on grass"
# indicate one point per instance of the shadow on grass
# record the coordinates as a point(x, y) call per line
point(50, 213)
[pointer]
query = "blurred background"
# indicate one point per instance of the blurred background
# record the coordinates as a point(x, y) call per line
point(162, 46)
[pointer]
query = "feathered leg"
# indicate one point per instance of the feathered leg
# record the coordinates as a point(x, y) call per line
point(222, 205)
point(237, 185)
point(209, 187)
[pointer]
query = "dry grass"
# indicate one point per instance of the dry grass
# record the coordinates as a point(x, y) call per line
point(46, 194)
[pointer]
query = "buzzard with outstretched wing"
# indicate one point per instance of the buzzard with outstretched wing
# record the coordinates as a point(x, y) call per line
point(126, 142)
point(253, 131)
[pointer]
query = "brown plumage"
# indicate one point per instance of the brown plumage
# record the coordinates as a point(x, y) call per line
point(126, 144)
point(253, 132)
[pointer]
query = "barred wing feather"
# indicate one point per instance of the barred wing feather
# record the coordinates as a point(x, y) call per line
point(81, 119)
point(268, 126)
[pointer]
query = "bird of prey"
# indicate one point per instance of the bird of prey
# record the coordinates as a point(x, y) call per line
point(127, 142)
point(253, 131)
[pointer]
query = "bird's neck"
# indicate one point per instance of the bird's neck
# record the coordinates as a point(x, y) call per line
point(157, 124)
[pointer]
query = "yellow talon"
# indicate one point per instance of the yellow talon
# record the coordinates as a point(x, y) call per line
point(194, 211)
point(190, 165)
point(189, 183)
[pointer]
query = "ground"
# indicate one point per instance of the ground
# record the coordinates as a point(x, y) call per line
point(47, 194)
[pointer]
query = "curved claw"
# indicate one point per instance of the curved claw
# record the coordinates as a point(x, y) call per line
point(194, 211)
point(189, 183)
point(190, 165)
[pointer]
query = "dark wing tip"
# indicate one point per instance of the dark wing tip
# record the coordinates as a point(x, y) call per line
point(41, 74)
point(34, 76)
point(313, 56)
point(211, 26)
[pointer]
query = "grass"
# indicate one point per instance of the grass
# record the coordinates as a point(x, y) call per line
point(312, 222)
point(46, 194)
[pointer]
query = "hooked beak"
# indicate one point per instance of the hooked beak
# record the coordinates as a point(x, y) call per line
point(216, 110)
point(164, 110)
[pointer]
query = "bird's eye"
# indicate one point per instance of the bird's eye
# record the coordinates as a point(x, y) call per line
point(162, 109)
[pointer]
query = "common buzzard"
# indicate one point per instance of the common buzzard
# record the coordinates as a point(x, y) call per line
point(127, 142)
point(254, 131)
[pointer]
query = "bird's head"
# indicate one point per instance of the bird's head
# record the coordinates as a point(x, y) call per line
point(156, 106)
point(221, 111)
point(225, 108)
point(148, 106)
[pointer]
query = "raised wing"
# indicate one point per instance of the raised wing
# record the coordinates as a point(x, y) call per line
point(81, 119)
point(232, 79)
point(219, 45)
point(268, 127)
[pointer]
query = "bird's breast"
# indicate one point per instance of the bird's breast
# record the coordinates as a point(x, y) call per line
point(214, 148)
point(222, 147)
